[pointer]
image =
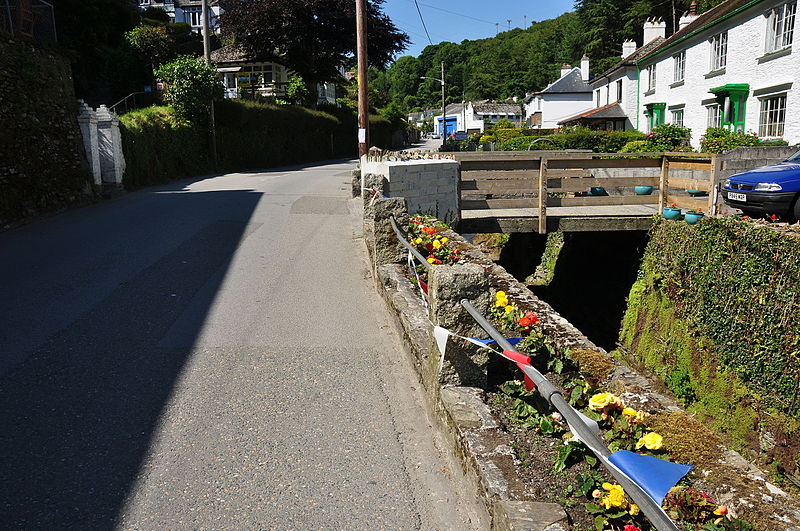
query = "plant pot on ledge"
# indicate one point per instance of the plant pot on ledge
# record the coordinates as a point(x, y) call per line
point(693, 217)
point(643, 190)
point(671, 212)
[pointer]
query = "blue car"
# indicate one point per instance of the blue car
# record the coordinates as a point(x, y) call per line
point(772, 189)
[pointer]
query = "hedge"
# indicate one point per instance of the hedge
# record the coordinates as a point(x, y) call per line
point(715, 314)
point(577, 138)
point(159, 146)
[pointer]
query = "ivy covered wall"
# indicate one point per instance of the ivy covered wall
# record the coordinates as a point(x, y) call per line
point(715, 314)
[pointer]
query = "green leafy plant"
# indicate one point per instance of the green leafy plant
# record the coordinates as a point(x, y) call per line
point(191, 85)
point(720, 139)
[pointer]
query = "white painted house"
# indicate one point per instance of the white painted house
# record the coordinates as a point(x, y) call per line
point(187, 11)
point(570, 94)
point(732, 66)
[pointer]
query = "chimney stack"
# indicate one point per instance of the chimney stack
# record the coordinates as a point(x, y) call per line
point(585, 67)
point(654, 28)
point(689, 17)
point(628, 47)
point(565, 69)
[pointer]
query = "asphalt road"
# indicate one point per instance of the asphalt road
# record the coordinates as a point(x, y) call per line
point(211, 355)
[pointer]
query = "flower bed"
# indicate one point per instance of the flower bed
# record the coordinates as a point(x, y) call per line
point(556, 467)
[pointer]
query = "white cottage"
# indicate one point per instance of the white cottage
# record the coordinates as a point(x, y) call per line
point(732, 66)
point(570, 94)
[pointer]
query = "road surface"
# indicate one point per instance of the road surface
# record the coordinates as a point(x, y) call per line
point(211, 354)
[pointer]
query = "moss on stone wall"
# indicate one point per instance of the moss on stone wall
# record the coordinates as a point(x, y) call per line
point(715, 315)
point(42, 161)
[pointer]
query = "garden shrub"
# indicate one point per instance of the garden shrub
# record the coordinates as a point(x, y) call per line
point(635, 146)
point(669, 137)
point(597, 141)
point(525, 143)
point(160, 146)
point(504, 135)
point(719, 140)
point(191, 84)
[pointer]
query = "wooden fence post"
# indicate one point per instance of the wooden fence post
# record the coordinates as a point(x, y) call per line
point(712, 192)
point(543, 196)
point(663, 184)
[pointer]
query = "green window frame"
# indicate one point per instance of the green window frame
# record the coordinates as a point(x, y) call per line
point(732, 99)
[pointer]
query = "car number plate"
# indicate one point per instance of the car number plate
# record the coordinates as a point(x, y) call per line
point(737, 197)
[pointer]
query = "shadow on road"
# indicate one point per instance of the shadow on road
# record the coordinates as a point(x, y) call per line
point(79, 410)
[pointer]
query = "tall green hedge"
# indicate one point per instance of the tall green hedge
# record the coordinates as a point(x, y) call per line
point(159, 146)
point(577, 138)
point(719, 302)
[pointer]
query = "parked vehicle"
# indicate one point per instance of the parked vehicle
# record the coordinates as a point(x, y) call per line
point(773, 189)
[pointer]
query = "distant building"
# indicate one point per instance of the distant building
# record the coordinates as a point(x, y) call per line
point(187, 11)
point(568, 95)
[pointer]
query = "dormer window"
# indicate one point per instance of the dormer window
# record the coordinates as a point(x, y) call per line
point(719, 51)
point(780, 27)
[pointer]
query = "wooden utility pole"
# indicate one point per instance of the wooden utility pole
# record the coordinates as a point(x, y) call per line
point(363, 100)
point(212, 125)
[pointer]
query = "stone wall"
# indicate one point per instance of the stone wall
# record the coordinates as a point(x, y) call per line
point(429, 185)
point(42, 161)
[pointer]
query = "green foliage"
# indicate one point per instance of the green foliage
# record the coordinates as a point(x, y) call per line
point(160, 146)
point(298, 92)
point(152, 42)
point(191, 85)
point(503, 134)
point(720, 139)
point(669, 137)
point(394, 114)
point(597, 141)
point(730, 292)
point(503, 123)
point(635, 146)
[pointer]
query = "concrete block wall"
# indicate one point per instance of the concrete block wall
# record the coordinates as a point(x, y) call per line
point(430, 186)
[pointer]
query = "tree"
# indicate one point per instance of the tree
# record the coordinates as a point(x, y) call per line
point(312, 37)
point(191, 85)
point(152, 42)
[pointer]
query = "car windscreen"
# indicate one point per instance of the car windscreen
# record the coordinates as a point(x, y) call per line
point(795, 157)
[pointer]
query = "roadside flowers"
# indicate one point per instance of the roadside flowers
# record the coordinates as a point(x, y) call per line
point(615, 496)
point(651, 441)
point(601, 401)
point(528, 320)
point(631, 527)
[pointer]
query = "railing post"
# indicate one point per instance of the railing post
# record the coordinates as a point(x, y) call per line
point(543, 195)
point(461, 363)
point(663, 183)
point(713, 176)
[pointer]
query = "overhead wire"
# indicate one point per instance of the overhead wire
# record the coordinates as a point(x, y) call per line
point(423, 22)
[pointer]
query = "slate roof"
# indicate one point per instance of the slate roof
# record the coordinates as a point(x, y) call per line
point(612, 110)
point(572, 82)
point(497, 108)
point(233, 53)
point(710, 17)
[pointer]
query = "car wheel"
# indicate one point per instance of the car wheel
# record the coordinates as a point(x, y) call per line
point(795, 210)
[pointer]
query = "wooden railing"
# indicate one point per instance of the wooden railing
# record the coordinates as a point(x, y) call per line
point(564, 179)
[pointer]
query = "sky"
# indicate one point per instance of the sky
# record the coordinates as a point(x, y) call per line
point(456, 20)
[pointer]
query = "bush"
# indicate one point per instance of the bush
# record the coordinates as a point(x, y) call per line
point(159, 146)
point(576, 138)
point(191, 85)
point(504, 135)
point(719, 140)
point(636, 146)
point(525, 143)
point(669, 137)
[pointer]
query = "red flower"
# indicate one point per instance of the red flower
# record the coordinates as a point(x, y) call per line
point(631, 527)
point(528, 320)
point(428, 230)
point(429, 247)
point(773, 217)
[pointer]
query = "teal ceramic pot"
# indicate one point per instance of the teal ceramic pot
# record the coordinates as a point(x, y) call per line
point(671, 213)
point(597, 190)
point(643, 190)
point(692, 218)
point(694, 193)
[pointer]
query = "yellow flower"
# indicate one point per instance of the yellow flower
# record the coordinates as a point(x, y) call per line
point(418, 241)
point(510, 308)
point(601, 400)
point(444, 240)
point(633, 509)
point(431, 259)
point(615, 496)
point(630, 412)
point(651, 441)
point(436, 244)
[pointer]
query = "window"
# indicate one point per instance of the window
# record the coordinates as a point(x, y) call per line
point(651, 77)
point(192, 16)
point(679, 63)
point(719, 51)
point(144, 2)
point(780, 26)
point(619, 90)
point(677, 117)
point(714, 116)
point(773, 116)
point(597, 98)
